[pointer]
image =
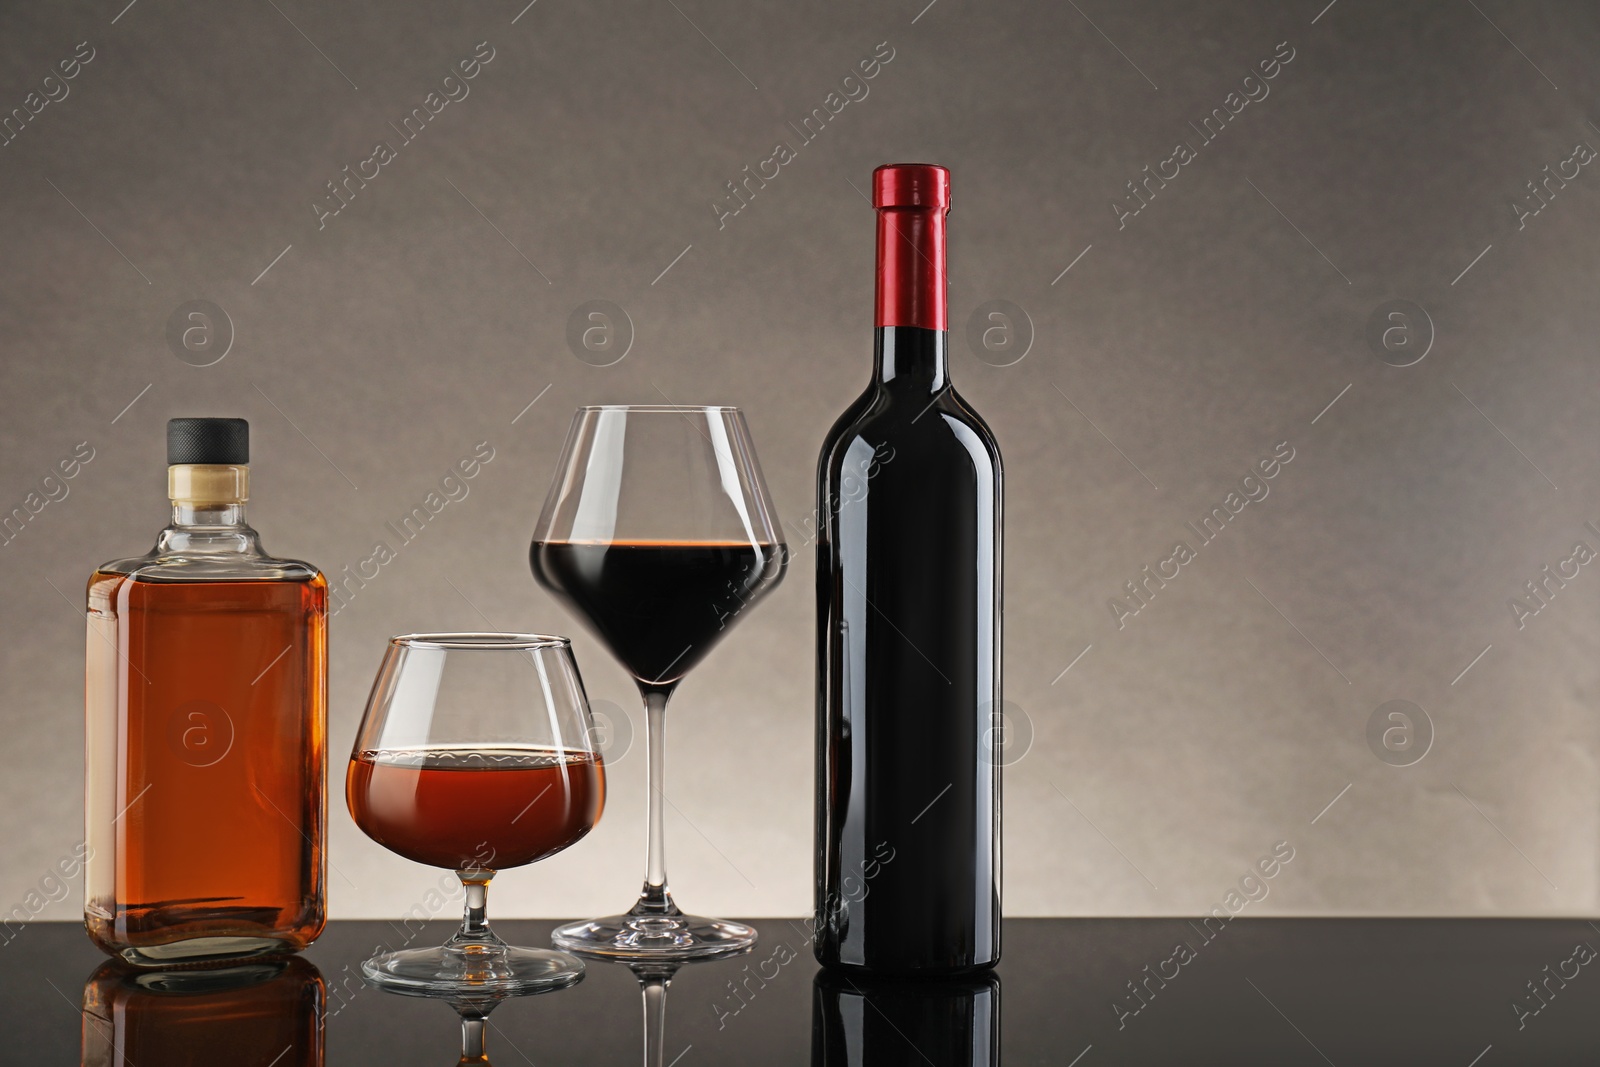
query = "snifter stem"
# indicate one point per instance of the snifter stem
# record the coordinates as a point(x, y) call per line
point(475, 912)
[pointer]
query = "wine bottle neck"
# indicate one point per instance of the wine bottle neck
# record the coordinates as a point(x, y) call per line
point(912, 357)
point(911, 268)
point(911, 313)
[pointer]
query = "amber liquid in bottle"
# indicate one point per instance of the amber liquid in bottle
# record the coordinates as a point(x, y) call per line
point(206, 743)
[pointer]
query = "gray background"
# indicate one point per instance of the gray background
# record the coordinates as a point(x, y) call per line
point(1221, 320)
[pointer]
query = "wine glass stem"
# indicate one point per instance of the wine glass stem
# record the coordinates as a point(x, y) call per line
point(654, 898)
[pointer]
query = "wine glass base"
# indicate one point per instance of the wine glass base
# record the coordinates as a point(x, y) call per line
point(655, 938)
point(500, 971)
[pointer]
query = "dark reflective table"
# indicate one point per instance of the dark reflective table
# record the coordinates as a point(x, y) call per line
point(1470, 993)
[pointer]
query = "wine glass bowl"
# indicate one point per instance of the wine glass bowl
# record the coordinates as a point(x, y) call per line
point(476, 755)
point(658, 533)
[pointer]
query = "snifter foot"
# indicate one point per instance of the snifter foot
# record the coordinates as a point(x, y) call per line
point(473, 971)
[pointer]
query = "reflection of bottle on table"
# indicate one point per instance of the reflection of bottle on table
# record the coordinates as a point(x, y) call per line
point(860, 1022)
point(255, 1014)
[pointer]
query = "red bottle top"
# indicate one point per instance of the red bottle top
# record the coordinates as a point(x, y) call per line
point(912, 200)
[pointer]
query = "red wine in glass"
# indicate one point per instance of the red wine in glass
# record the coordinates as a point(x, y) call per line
point(659, 606)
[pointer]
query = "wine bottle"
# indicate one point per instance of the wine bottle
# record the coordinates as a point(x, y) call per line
point(206, 709)
point(908, 632)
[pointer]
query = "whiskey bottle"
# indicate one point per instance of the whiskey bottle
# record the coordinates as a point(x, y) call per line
point(205, 704)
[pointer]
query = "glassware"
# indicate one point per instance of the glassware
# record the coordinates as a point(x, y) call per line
point(658, 532)
point(206, 731)
point(475, 755)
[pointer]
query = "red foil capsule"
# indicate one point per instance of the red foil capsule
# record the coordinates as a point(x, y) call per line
point(912, 200)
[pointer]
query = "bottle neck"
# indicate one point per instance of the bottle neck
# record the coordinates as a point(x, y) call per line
point(912, 307)
point(208, 512)
point(911, 268)
point(187, 513)
point(910, 357)
point(208, 530)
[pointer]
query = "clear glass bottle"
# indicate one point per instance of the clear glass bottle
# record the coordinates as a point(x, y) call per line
point(206, 723)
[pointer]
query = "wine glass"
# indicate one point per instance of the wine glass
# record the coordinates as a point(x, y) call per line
point(658, 532)
point(475, 755)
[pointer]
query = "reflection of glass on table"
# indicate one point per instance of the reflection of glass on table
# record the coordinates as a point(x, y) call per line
point(473, 1011)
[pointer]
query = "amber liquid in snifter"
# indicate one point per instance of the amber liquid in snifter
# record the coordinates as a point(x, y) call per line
point(206, 747)
point(478, 806)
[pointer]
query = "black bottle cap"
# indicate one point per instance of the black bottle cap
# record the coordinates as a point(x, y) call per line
point(225, 441)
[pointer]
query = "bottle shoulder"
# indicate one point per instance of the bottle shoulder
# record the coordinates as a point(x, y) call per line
point(210, 552)
point(960, 413)
point(850, 419)
point(179, 567)
point(882, 423)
